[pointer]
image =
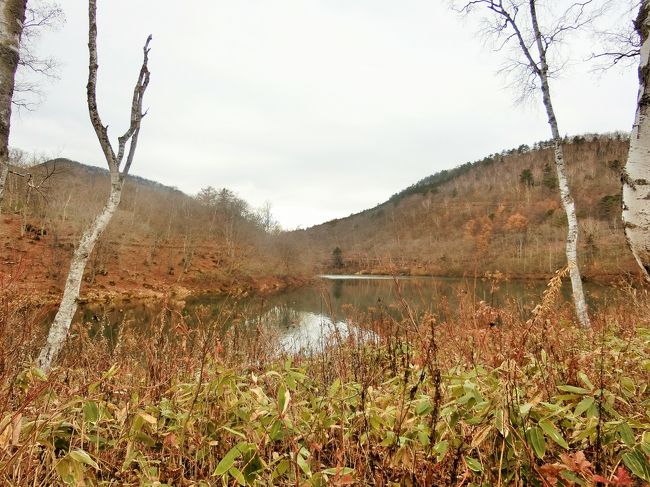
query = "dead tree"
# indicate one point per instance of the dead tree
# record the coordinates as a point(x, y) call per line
point(636, 175)
point(118, 173)
point(516, 23)
point(12, 19)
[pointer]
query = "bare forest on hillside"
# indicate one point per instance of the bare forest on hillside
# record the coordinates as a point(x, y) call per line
point(500, 213)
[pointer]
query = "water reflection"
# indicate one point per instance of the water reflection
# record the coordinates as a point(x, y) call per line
point(312, 333)
point(309, 318)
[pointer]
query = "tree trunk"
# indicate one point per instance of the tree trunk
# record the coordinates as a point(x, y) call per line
point(563, 181)
point(636, 177)
point(62, 320)
point(12, 18)
point(59, 329)
point(572, 237)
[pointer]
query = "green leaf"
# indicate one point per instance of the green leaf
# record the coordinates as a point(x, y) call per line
point(583, 405)
point(440, 448)
point(280, 470)
point(553, 433)
point(334, 388)
point(83, 457)
point(302, 462)
point(628, 384)
point(234, 432)
point(637, 462)
point(535, 438)
point(473, 464)
point(572, 477)
point(228, 460)
point(283, 399)
point(574, 389)
point(524, 409)
point(111, 372)
point(91, 411)
point(276, 431)
point(237, 475)
point(585, 380)
point(500, 422)
point(423, 407)
point(626, 434)
point(338, 471)
point(318, 480)
point(423, 438)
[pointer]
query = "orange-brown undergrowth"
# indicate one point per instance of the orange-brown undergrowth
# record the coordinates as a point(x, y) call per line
point(469, 396)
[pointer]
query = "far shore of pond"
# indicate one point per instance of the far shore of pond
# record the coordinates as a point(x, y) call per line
point(248, 286)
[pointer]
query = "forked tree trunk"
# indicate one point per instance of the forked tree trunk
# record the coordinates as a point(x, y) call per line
point(68, 307)
point(563, 181)
point(12, 18)
point(59, 328)
point(636, 178)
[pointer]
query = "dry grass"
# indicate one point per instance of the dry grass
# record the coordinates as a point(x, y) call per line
point(423, 402)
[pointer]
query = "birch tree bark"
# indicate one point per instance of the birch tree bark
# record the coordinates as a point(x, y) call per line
point(12, 19)
point(61, 324)
point(563, 181)
point(636, 177)
point(511, 25)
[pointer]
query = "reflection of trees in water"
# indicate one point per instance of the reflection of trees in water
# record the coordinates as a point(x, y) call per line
point(337, 289)
point(282, 316)
point(334, 299)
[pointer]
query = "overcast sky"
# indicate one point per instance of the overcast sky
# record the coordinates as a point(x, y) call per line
point(322, 107)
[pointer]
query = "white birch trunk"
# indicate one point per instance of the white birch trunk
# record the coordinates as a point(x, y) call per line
point(4, 171)
point(572, 237)
point(61, 325)
point(59, 328)
point(636, 178)
point(563, 181)
point(12, 18)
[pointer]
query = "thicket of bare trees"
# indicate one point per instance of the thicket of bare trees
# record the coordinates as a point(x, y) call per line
point(435, 228)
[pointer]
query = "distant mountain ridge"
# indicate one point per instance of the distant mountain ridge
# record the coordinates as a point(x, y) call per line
point(62, 163)
point(501, 212)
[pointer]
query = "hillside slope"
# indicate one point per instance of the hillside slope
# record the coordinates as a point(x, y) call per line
point(160, 238)
point(500, 213)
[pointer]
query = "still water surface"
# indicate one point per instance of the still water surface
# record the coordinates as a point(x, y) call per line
point(305, 318)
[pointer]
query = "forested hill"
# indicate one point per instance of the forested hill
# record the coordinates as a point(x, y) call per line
point(502, 212)
point(159, 237)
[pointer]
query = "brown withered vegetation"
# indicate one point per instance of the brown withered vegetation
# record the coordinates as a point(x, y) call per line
point(415, 400)
point(502, 212)
point(159, 238)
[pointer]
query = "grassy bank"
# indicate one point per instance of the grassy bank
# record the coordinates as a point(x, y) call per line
point(418, 401)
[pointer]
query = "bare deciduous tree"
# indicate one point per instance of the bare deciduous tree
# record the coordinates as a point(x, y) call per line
point(516, 23)
point(40, 16)
point(12, 19)
point(118, 173)
point(619, 45)
point(636, 176)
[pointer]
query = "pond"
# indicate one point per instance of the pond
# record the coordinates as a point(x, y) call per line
point(304, 319)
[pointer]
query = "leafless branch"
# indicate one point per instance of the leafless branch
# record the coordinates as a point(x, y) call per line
point(39, 16)
point(618, 47)
point(509, 25)
point(36, 182)
point(136, 111)
point(131, 135)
